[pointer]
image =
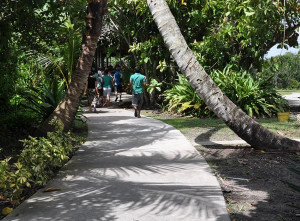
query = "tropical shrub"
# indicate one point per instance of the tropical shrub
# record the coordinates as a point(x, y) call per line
point(183, 99)
point(13, 179)
point(255, 95)
point(36, 163)
point(42, 155)
point(43, 100)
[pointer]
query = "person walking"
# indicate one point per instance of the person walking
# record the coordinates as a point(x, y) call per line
point(91, 91)
point(107, 85)
point(137, 81)
point(98, 77)
point(118, 83)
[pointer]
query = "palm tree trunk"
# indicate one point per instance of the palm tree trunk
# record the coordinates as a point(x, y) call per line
point(244, 126)
point(67, 109)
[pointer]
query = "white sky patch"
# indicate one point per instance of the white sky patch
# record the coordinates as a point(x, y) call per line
point(274, 51)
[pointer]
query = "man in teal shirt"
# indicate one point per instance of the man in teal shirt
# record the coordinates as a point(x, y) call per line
point(137, 80)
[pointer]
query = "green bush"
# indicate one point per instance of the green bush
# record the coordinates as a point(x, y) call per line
point(294, 84)
point(42, 155)
point(13, 179)
point(183, 99)
point(36, 163)
point(255, 95)
point(43, 100)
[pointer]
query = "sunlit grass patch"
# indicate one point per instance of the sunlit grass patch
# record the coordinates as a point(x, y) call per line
point(287, 92)
point(215, 129)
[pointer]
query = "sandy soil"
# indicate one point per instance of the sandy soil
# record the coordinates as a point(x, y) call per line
point(255, 183)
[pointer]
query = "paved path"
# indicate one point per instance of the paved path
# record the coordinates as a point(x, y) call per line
point(293, 100)
point(130, 169)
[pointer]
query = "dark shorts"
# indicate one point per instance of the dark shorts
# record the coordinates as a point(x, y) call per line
point(137, 99)
point(119, 88)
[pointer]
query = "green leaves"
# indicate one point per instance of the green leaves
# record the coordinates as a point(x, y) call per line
point(43, 100)
point(255, 95)
point(245, 30)
point(36, 163)
point(182, 98)
point(154, 85)
point(284, 70)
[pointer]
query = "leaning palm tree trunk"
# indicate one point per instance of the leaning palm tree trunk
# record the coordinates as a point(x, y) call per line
point(244, 126)
point(67, 109)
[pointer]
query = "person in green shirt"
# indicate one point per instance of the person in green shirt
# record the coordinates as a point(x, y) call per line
point(137, 81)
point(107, 85)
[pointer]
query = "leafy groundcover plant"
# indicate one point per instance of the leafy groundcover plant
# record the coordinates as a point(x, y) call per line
point(254, 94)
point(36, 164)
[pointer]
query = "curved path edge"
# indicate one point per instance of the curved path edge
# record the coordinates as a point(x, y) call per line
point(135, 169)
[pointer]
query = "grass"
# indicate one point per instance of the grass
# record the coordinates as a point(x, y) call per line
point(215, 129)
point(287, 92)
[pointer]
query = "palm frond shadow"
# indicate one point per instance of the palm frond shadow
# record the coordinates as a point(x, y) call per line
point(124, 174)
point(106, 194)
point(203, 137)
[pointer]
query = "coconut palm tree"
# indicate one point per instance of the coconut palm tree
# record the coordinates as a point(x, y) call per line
point(66, 110)
point(243, 125)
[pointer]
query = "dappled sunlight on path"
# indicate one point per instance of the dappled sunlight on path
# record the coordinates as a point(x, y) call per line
point(130, 169)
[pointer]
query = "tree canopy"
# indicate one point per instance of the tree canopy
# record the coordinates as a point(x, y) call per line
point(219, 32)
point(40, 40)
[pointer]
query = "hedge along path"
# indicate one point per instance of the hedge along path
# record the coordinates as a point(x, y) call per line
point(129, 169)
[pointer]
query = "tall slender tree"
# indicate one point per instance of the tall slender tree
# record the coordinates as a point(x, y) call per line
point(67, 109)
point(243, 125)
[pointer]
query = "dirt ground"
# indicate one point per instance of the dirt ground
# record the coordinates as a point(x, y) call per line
point(255, 183)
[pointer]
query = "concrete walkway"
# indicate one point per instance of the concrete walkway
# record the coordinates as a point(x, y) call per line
point(130, 169)
point(293, 100)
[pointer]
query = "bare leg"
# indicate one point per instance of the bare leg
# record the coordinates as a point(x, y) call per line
point(139, 111)
point(104, 101)
point(108, 101)
point(116, 93)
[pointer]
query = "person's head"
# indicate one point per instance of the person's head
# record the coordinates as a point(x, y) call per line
point(118, 68)
point(137, 69)
point(105, 72)
point(110, 67)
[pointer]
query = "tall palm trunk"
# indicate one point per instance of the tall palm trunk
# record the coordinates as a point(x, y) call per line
point(244, 126)
point(66, 110)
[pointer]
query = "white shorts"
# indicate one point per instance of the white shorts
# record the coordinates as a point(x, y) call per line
point(106, 92)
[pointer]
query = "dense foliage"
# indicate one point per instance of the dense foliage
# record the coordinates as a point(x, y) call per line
point(254, 94)
point(220, 33)
point(284, 70)
point(39, 46)
point(36, 163)
point(48, 32)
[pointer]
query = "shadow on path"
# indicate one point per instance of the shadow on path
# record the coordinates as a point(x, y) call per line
point(130, 169)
